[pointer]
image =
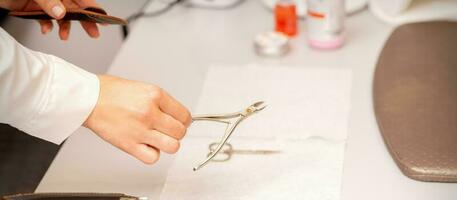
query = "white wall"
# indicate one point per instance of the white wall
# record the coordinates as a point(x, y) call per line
point(94, 55)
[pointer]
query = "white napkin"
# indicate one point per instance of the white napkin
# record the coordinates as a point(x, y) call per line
point(305, 169)
point(302, 102)
point(306, 119)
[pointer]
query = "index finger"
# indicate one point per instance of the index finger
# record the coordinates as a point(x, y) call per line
point(172, 107)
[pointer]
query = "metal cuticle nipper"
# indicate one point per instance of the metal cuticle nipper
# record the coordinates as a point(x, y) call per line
point(232, 120)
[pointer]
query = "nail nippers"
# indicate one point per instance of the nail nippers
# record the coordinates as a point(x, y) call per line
point(232, 120)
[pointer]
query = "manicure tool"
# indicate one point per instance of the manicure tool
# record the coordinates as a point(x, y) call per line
point(227, 152)
point(89, 14)
point(232, 120)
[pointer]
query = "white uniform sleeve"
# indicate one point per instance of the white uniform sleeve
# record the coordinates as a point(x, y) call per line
point(41, 94)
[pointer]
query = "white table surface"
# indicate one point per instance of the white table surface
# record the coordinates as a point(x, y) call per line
point(176, 49)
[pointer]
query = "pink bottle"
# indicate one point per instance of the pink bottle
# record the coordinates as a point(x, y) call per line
point(325, 23)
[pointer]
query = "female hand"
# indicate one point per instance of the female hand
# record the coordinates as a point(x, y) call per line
point(139, 118)
point(56, 9)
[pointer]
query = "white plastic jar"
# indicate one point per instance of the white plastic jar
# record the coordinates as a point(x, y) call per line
point(325, 23)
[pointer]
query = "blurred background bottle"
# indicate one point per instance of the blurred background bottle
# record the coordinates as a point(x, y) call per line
point(286, 17)
point(325, 23)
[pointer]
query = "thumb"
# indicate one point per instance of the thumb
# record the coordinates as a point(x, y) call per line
point(53, 8)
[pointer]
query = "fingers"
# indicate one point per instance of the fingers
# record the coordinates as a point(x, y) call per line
point(145, 153)
point(161, 141)
point(149, 147)
point(172, 107)
point(168, 125)
point(91, 29)
point(53, 8)
point(46, 26)
point(64, 29)
point(57, 10)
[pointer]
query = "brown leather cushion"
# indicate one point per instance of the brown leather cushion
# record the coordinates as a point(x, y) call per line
point(91, 14)
point(415, 99)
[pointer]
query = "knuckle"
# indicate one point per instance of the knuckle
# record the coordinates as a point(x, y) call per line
point(156, 93)
point(147, 118)
point(187, 118)
point(125, 146)
point(150, 118)
point(142, 116)
point(181, 131)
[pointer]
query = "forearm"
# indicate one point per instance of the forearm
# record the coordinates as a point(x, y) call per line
point(43, 95)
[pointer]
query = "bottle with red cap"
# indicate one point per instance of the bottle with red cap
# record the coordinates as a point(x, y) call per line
point(286, 17)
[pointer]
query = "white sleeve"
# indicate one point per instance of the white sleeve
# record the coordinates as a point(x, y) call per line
point(41, 94)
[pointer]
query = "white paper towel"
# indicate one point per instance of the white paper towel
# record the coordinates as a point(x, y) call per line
point(302, 102)
point(305, 169)
point(306, 119)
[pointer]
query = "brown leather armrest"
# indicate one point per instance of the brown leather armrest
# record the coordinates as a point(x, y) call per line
point(415, 99)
